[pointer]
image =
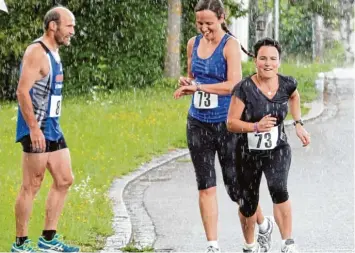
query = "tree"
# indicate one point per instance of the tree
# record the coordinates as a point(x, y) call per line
point(346, 29)
point(118, 44)
point(172, 58)
point(321, 15)
point(328, 9)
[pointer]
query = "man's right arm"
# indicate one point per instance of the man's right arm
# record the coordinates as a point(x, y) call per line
point(30, 73)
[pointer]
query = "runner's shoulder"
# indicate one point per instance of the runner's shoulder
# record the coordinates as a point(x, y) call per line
point(232, 41)
point(243, 85)
point(191, 41)
point(35, 53)
point(289, 82)
point(288, 79)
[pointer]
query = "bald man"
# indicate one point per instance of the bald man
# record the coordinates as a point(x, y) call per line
point(39, 95)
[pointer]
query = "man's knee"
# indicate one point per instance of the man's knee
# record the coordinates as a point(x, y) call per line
point(33, 184)
point(64, 183)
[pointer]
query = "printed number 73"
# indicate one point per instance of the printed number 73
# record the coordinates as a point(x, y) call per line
point(206, 99)
point(267, 137)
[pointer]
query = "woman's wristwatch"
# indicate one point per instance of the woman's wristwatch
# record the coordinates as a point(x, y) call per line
point(198, 86)
point(298, 122)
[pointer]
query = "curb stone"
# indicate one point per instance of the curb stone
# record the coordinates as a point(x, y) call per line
point(121, 221)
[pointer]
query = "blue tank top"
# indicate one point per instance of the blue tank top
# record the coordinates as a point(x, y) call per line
point(210, 71)
point(46, 95)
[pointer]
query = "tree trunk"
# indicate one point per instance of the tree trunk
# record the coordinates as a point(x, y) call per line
point(253, 15)
point(172, 58)
point(318, 38)
point(347, 31)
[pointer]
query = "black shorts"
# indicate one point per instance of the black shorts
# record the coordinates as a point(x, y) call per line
point(204, 140)
point(51, 146)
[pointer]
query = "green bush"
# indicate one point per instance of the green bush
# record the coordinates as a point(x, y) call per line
point(170, 83)
point(334, 53)
point(115, 43)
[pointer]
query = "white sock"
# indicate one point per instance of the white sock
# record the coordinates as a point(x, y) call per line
point(283, 243)
point(264, 225)
point(249, 246)
point(213, 244)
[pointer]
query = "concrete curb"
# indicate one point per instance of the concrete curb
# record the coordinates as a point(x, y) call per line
point(121, 221)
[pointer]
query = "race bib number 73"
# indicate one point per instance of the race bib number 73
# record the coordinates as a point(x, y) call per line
point(204, 100)
point(56, 106)
point(263, 141)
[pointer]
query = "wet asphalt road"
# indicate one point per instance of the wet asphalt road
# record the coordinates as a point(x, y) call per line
point(163, 204)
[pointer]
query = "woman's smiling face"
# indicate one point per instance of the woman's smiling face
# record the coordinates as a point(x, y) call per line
point(208, 24)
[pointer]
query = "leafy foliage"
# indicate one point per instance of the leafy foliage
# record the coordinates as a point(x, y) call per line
point(115, 43)
point(295, 31)
point(329, 9)
point(296, 23)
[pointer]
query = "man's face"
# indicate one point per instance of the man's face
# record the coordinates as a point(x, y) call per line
point(65, 29)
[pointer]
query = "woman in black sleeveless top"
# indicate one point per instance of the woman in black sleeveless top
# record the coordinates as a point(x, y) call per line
point(258, 109)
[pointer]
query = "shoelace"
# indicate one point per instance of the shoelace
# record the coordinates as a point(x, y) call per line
point(60, 238)
point(211, 249)
point(64, 246)
point(29, 246)
point(262, 238)
point(290, 249)
point(256, 248)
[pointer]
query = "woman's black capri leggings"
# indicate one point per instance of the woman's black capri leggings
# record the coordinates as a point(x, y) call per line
point(250, 164)
point(204, 141)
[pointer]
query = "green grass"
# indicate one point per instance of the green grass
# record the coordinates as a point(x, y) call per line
point(133, 247)
point(109, 135)
point(107, 138)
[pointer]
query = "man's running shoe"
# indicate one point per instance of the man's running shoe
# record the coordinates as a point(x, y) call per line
point(55, 245)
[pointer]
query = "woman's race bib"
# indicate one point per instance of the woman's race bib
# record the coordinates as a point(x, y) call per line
point(204, 100)
point(264, 141)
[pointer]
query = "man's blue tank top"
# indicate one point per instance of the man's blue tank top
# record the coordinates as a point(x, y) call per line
point(210, 71)
point(46, 96)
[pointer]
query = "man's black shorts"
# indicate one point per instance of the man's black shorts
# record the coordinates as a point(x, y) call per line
point(51, 146)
